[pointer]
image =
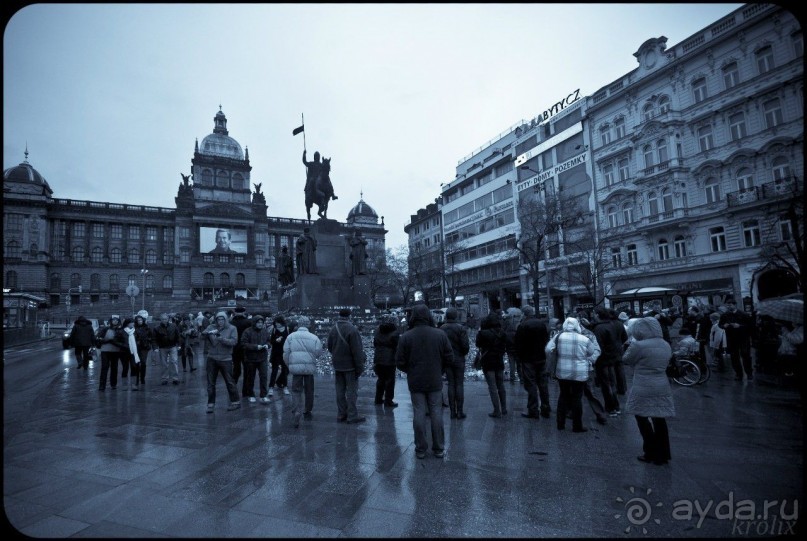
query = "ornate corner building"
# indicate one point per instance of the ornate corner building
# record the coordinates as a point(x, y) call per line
point(87, 253)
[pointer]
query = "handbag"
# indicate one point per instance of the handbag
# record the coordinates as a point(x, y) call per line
point(478, 360)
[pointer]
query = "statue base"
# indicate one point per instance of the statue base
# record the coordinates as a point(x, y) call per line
point(316, 291)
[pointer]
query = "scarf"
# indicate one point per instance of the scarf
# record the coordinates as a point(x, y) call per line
point(132, 344)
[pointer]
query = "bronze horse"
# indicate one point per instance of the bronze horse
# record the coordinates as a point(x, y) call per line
point(321, 192)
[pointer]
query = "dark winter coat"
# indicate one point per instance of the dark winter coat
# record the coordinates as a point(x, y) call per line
point(385, 342)
point(278, 340)
point(166, 336)
point(610, 341)
point(532, 336)
point(344, 343)
point(250, 340)
point(82, 335)
point(423, 353)
point(460, 343)
point(492, 341)
point(144, 336)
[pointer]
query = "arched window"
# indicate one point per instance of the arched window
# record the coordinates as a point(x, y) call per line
point(627, 213)
point(663, 104)
point(680, 246)
point(11, 279)
point(663, 250)
point(238, 181)
point(712, 187)
point(240, 280)
point(95, 281)
point(224, 279)
point(653, 203)
point(12, 249)
point(149, 281)
point(115, 255)
point(661, 149)
point(168, 282)
point(75, 279)
point(744, 179)
point(151, 257)
point(207, 177)
point(780, 168)
point(648, 156)
point(114, 282)
point(633, 254)
point(134, 255)
point(605, 134)
point(208, 279)
point(97, 255)
point(78, 254)
point(222, 179)
point(647, 111)
point(619, 127)
point(132, 280)
point(55, 281)
point(613, 216)
point(666, 200)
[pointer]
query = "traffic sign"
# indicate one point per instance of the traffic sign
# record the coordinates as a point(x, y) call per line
point(132, 290)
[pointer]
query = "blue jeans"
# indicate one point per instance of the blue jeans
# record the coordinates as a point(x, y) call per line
point(347, 392)
point(226, 369)
point(432, 401)
point(456, 389)
point(170, 365)
point(302, 383)
point(498, 396)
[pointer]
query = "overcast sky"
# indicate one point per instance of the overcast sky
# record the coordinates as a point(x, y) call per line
point(110, 98)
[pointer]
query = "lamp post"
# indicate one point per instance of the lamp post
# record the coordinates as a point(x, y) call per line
point(143, 273)
point(549, 311)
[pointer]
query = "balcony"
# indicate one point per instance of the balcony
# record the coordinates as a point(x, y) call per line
point(778, 189)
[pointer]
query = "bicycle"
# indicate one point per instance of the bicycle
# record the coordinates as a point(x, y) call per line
point(684, 372)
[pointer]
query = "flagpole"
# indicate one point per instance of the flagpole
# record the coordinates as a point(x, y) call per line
point(303, 123)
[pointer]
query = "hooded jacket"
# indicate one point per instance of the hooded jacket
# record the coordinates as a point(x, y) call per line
point(385, 342)
point(492, 341)
point(344, 343)
point(576, 352)
point(221, 341)
point(144, 336)
point(251, 339)
point(423, 352)
point(531, 339)
point(458, 338)
point(649, 354)
point(82, 334)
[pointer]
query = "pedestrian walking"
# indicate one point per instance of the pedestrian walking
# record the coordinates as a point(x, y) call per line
point(144, 338)
point(423, 353)
point(82, 339)
point(241, 322)
point(166, 336)
point(457, 335)
point(738, 327)
point(491, 341)
point(594, 403)
point(717, 341)
point(301, 350)
point(280, 372)
point(348, 358)
point(111, 340)
point(255, 343)
point(221, 338)
point(650, 397)
point(130, 353)
point(189, 336)
point(610, 337)
point(531, 338)
point(512, 318)
point(385, 341)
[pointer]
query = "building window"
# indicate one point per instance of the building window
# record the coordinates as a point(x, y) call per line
point(240, 280)
point(151, 257)
point(168, 258)
point(661, 150)
point(652, 201)
point(98, 231)
point(798, 43)
point(605, 134)
point(12, 249)
point(666, 200)
point(765, 59)
point(55, 281)
point(773, 113)
point(14, 222)
point(717, 238)
point(780, 168)
point(116, 231)
point(34, 249)
point(744, 179)
point(132, 280)
point(705, 139)
point(75, 280)
point(627, 213)
point(184, 232)
point(149, 281)
point(633, 255)
point(207, 177)
point(608, 172)
point(208, 279)
point(699, 89)
point(737, 126)
point(221, 179)
point(785, 229)
point(207, 258)
point(224, 258)
point(115, 255)
point(134, 256)
point(151, 232)
point(184, 255)
point(663, 104)
point(624, 169)
point(95, 281)
point(731, 75)
point(168, 234)
point(97, 255)
point(751, 235)
point(238, 182)
point(77, 255)
point(239, 259)
point(712, 187)
point(134, 232)
point(648, 156)
point(663, 250)
point(168, 282)
point(680, 246)
point(613, 217)
point(619, 127)
point(78, 229)
point(224, 279)
point(647, 112)
point(259, 258)
point(616, 257)
point(11, 279)
point(114, 282)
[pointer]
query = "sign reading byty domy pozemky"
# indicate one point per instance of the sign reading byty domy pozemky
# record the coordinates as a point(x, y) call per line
point(553, 171)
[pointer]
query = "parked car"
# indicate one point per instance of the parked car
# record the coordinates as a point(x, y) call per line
point(66, 336)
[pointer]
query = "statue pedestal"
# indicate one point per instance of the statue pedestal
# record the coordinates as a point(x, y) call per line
point(330, 254)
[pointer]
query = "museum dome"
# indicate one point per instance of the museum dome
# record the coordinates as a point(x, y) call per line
point(25, 173)
point(219, 143)
point(363, 212)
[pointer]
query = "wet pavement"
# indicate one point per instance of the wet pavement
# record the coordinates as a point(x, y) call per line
point(153, 463)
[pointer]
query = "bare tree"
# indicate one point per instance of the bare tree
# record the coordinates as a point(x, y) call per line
point(398, 272)
point(591, 261)
point(425, 273)
point(786, 247)
point(453, 279)
point(376, 270)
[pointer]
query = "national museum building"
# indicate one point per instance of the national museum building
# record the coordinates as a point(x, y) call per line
point(217, 246)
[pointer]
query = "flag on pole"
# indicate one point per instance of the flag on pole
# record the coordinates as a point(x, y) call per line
point(298, 130)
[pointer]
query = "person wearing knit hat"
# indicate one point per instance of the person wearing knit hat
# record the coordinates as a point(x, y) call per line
point(255, 342)
point(277, 338)
point(221, 337)
point(348, 358)
point(622, 317)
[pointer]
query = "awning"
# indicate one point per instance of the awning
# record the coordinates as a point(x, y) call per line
point(646, 291)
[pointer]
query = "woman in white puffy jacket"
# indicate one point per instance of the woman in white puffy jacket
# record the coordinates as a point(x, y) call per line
point(300, 353)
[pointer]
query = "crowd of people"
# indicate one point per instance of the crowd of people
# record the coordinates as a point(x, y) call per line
point(582, 353)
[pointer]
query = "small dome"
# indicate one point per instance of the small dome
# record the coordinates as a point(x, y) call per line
point(24, 173)
point(362, 210)
point(217, 144)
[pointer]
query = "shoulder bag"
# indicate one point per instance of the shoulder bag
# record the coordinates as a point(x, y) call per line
point(478, 360)
point(552, 359)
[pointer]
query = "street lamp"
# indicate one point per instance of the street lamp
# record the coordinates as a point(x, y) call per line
point(143, 273)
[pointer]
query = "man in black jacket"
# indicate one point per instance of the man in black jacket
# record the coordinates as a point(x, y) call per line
point(610, 342)
point(738, 326)
point(82, 339)
point(423, 354)
point(455, 372)
point(241, 323)
point(166, 337)
point(348, 358)
point(531, 338)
